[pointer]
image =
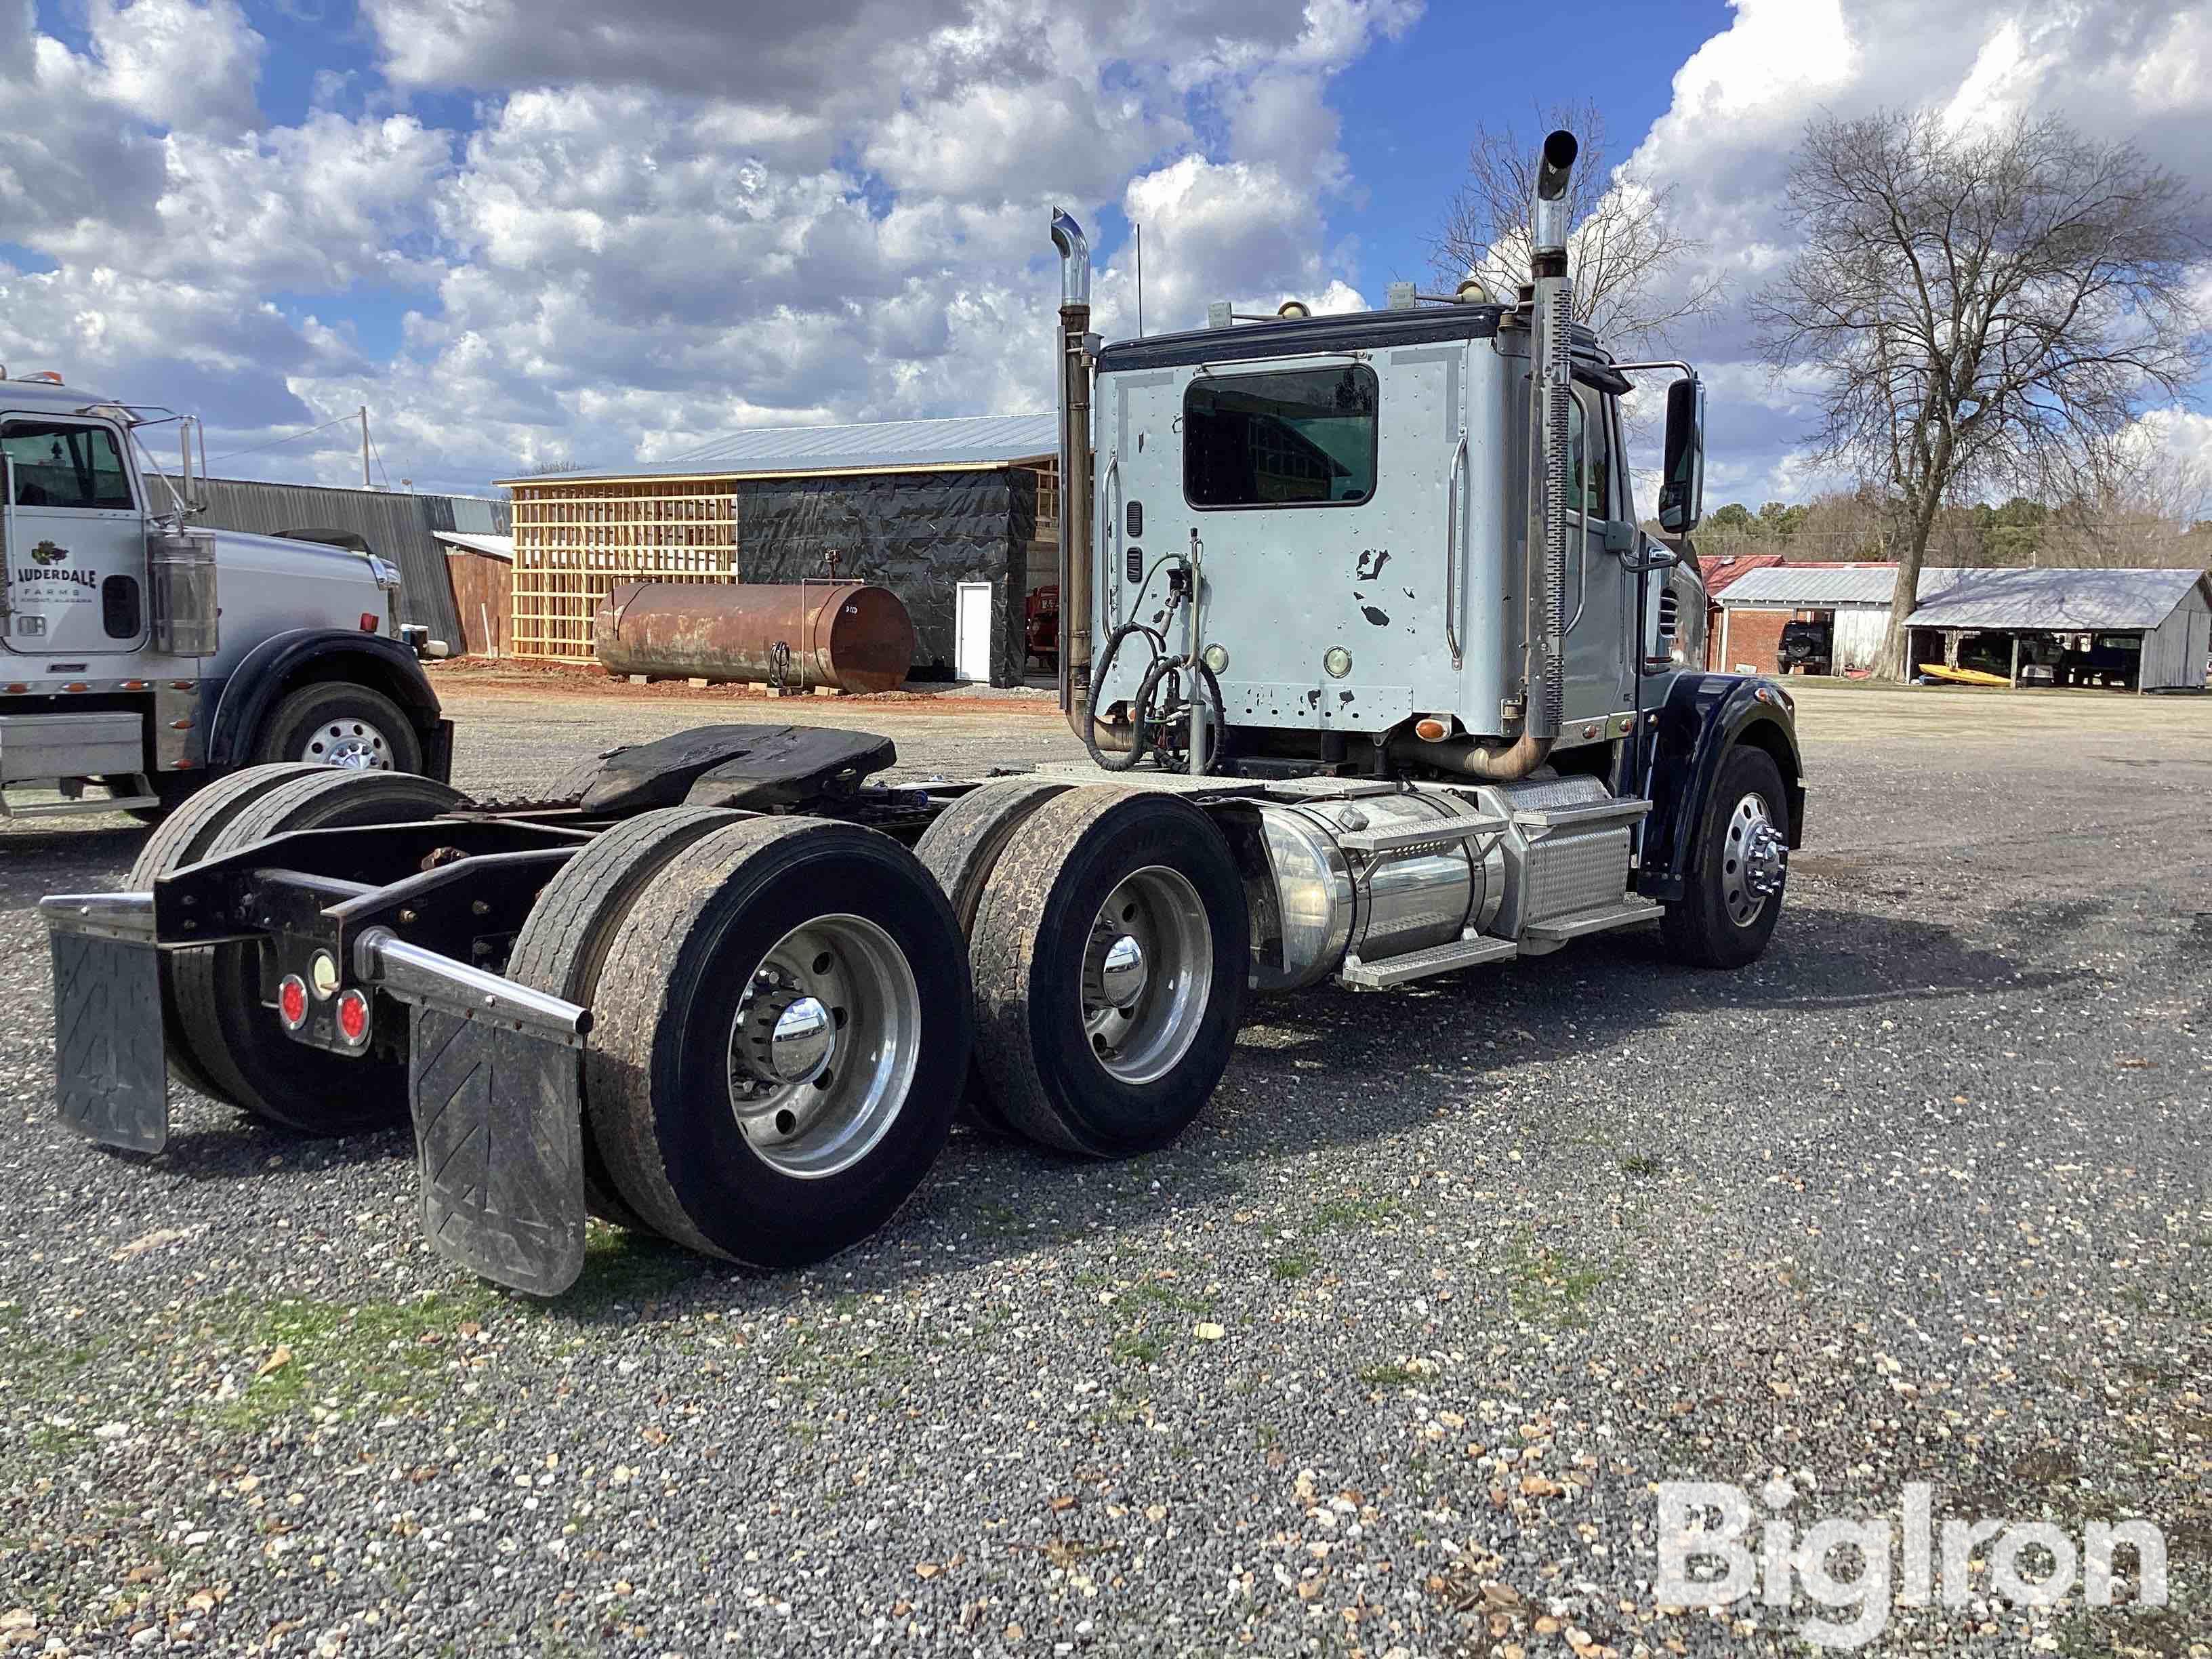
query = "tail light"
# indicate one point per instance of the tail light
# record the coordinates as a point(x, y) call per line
point(353, 1017)
point(292, 1001)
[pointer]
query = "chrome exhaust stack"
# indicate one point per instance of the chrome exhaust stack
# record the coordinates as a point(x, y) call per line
point(1075, 560)
point(1544, 583)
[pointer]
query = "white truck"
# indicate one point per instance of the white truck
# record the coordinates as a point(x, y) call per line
point(140, 656)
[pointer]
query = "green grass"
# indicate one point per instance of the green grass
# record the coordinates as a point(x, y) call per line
point(1641, 1164)
point(1389, 1377)
point(1548, 1286)
point(1350, 1213)
point(1283, 1269)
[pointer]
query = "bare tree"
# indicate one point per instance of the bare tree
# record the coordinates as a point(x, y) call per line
point(2140, 513)
point(1628, 258)
point(1989, 306)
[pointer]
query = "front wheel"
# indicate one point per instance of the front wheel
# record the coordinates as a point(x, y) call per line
point(338, 723)
point(1733, 895)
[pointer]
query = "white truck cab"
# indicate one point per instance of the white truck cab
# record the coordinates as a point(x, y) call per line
point(139, 656)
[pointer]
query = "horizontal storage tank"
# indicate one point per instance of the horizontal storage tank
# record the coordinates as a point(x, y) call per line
point(850, 635)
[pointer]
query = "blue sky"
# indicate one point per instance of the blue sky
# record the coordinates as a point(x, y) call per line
point(534, 231)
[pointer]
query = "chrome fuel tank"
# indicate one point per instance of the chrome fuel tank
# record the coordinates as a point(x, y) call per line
point(1333, 900)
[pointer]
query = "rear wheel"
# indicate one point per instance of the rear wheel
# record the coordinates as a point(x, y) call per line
point(336, 723)
point(1111, 949)
point(563, 943)
point(1741, 863)
point(235, 1035)
point(183, 839)
point(961, 847)
point(779, 1040)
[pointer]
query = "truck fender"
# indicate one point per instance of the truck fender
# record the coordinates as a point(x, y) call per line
point(285, 661)
point(1688, 737)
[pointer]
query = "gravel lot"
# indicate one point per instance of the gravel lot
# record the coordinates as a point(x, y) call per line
point(1383, 1357)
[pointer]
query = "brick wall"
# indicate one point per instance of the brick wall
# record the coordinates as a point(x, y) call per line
point(1753, 637)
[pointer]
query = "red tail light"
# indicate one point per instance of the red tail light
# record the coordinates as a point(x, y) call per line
point(353, 1017)
point(292, 1001)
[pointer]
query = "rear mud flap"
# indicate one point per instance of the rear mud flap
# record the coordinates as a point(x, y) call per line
point(499, 1131)
point(111, 1075)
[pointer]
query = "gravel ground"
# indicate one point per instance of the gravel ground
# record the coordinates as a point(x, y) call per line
point(1383, 1357)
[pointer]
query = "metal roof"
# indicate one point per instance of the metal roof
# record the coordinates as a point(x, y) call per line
point(1980, 596)
point(963, 442)
point(2120, 598)
point(462, 541)
point(1804, 586)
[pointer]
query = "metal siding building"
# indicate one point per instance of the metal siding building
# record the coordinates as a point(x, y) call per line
point(397, 525)
point(2169, 610)
point(920, 506)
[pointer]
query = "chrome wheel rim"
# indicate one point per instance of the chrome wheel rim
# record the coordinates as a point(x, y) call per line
point(352, 744)
point(822, 1046)
point(1147, 974)
point(1754, 859)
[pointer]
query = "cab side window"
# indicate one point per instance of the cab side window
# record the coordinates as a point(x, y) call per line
point(1589, 456)
point(63, 463)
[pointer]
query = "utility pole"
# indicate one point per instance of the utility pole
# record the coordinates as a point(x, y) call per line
point(365, 483)
point(1139, 229)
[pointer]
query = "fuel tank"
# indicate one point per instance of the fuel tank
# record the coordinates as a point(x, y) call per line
point(850, 635)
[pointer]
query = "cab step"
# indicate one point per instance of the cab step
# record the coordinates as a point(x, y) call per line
point(1420, 965)
point(1603, 920)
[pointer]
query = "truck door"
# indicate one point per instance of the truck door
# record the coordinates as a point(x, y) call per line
point(1602, 629)
point(75, 537)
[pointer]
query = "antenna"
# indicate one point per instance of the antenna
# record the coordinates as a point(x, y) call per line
point(1139, 229)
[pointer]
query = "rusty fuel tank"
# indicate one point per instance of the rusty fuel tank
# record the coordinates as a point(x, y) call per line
point(850, 635)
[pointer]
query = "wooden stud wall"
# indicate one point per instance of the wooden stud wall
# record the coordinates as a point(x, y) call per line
point(574, 541)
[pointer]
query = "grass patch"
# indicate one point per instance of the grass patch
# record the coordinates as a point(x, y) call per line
point(396, 1353)
point(1286, 1270)
point(622, 1268)
point(1642, 1164)
point(1356, 1212)
point(1135, 1347)
point(1547, 1286)
point(1389, 1377)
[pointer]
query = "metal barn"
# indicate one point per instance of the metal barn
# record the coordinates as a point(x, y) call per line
point(926, 508)
point(2148, 629)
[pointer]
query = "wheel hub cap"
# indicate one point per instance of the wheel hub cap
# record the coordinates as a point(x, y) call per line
point(1120, 971)
point(352, 745)
point(1754, 860)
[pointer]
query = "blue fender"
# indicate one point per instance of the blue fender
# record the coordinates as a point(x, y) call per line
point(285, 661)
point(1704, 716)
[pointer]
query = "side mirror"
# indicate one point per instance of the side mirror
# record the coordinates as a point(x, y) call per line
point(1682, 493)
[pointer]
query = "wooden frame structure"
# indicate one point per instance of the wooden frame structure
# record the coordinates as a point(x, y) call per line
point(575, 538)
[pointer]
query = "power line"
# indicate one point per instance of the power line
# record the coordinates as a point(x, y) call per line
point(255, 448)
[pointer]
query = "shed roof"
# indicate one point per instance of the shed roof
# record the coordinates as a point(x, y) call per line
point(1979, 596)
point(1718, 572)
point(961, 443)
point(1996, 597)
point(462, 541)
point(1807, 585)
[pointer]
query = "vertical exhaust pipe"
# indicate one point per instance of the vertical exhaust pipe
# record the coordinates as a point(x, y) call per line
point(1552, 378)
point(1551, 324)
point(1075, 552)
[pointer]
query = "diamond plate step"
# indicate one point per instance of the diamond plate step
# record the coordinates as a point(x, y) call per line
point(1420, 965)
point(1560, 929)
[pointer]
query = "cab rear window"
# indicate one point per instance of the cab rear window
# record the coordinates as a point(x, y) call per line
point(1299, 437)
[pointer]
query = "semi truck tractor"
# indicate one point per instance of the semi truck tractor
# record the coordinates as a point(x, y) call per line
point(140, 656)
point(1370, 656)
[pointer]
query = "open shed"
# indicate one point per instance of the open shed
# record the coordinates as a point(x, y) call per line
point(2145, 629)
point(959, 518)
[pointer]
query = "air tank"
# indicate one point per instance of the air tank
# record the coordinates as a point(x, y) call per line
point(849, 635)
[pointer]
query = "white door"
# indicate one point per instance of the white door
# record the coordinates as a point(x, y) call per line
point(72, 539)
point(971, 646)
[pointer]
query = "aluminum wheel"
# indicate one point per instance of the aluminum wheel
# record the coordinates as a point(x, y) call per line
point(1753, 861)
point(1147, 973)
point(823, 1046)
point(351, 743)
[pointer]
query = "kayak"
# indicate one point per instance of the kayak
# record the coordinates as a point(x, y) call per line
point(1936, 671)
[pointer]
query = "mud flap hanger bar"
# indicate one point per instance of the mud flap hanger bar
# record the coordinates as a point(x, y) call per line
point(427, 979)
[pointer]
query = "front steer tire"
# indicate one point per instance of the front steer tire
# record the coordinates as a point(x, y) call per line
point(1697, 928)
point(746, 924)
point(329, 718)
